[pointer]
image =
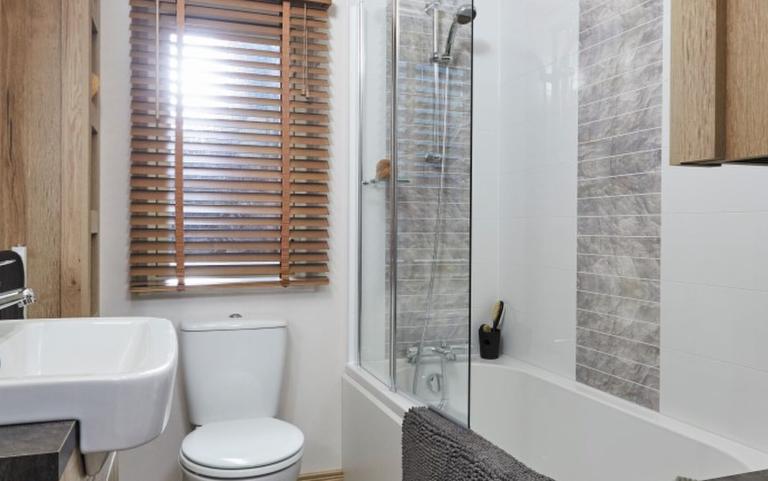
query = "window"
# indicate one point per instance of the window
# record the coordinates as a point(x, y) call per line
point(230, 123)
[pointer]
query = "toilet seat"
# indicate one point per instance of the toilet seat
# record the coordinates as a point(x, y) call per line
point(243, 448)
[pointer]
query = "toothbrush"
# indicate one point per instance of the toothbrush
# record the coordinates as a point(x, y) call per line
point(497, 314)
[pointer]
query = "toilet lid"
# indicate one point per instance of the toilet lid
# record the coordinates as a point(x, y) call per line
point(242, 444)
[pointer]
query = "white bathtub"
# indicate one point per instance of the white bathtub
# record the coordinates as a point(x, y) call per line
point(568, 431)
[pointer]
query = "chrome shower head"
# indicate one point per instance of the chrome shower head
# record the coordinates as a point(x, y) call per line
point(464, 15)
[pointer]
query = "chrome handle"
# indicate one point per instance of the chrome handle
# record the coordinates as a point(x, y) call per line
point(375, 181)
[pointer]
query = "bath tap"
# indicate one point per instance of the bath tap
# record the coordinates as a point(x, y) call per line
point(445, 351)
point(17, 298)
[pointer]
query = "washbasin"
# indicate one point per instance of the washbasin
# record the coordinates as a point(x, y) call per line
point(113, 375)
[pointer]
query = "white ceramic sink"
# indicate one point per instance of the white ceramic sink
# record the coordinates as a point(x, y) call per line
point(114, 376)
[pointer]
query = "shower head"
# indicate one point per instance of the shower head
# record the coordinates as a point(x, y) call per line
point(464, 15)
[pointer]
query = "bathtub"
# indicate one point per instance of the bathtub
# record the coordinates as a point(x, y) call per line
point(556, 426)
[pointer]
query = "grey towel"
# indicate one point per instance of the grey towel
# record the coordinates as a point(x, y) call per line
point(436, 449)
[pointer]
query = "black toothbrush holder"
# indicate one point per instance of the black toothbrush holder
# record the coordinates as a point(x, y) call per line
point(490, 343)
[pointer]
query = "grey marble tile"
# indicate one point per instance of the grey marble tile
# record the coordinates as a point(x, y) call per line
point(621, 22)
point(645, 332)
point(420, 193)
point(624, 205)
point(408, 225)
point(624, 43)
point(587, 5)
point(631, 184)
point(414, 210)
point(595, 12)
point(641, 289)
point(420, 255)
point(621, 144)
point(445, 317)
point(618, 307)
point(625, 349)
point(424, 271)
point(417, 303)
point(619, 246)
point(631, 226)
point(629, 391)
point(640, 268)
point(620, 368)
point(644, 96)
point(634, 163)
point(443, 287)
point(432, 333)
point(452, 240)
point(622, 84)
point(620, 125)
point(623, 62)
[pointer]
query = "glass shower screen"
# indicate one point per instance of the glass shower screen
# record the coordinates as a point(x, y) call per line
point(416, 96)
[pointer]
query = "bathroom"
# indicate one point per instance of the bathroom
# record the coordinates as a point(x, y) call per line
point(588, 172)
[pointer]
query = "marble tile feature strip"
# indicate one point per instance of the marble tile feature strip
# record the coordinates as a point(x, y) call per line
point(446, 317)
point(619, 198)
point(36, 451)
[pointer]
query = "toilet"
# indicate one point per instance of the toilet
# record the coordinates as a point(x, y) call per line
point(233, 372)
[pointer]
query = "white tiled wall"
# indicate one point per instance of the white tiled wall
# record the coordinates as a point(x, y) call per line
point(485, 162)
point(714, 292)
point(525, 120)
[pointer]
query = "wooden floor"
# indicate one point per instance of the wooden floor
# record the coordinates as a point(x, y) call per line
point(326, 476)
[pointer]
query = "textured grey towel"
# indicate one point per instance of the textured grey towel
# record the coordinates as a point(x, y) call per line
point(436, 449)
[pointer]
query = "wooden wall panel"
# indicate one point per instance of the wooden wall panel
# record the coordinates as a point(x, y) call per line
point(45, 148)
point(11, 174)
point(76, 154)
point(31, 59)
point(698, 81)
point(747, 70)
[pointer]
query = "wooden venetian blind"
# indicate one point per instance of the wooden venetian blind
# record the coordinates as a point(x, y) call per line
point(229, 165)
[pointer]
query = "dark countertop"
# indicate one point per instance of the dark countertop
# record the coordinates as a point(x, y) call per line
point(757, 476)
point(36, 452)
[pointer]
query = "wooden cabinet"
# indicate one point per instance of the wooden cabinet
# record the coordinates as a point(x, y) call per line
point(719, 94)
point(48, 139)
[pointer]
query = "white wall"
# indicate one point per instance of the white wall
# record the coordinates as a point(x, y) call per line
point(536, 114)
point(317, 319)
point(714, 295)
point(485, 162)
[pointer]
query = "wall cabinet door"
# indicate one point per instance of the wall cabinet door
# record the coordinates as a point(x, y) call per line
point(719, 97)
